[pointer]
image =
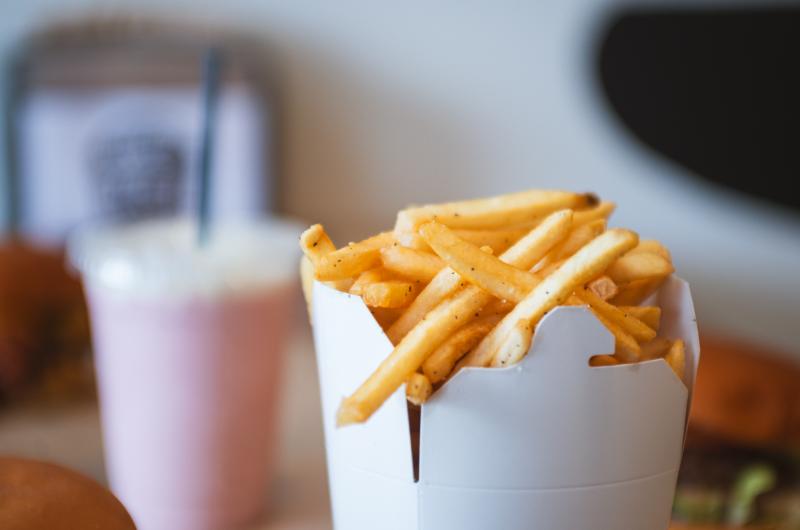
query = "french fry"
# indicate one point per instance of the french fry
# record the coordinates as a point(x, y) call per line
point(604, 287)
point(637, 292)
point(443, 285)
point(418, 389)
point(499, 278)
point(495, 212)
point(410, 263)
point(627, 349)
point(514, 346)
point(497, 306)
point(650, 314)
point(441, 362)
point(315, 243)
point(548, 270)
point(587, 263)
point(343, 285)
point(603, 360)
point(347, 262)
point(391, 293)
point(412, 240)
point(533, 246)
point(578, 238)
point(499, 240)
point(656, 348)
point(676, 358)
point(601, 211)
point(379, 241)
point(523, 254)
point(654, 247)
point(639, 266)
point(385, 316)
point(409, 354)
point(378, 274)
point(307, 281)
point(640, 331)
point(353, 259)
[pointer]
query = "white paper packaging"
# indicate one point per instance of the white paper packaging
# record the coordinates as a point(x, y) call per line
point(550, 443)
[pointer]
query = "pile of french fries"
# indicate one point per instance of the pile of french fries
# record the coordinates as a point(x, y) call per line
point(465, 283)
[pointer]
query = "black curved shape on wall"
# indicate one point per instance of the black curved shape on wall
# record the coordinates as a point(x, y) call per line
point(717, 91)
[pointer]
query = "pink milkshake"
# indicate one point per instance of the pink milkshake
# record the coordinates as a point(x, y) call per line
point(188, 345)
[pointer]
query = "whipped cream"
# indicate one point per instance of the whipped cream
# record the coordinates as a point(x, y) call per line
point(157, 258)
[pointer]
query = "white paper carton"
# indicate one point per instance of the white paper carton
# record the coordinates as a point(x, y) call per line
point(550, 443)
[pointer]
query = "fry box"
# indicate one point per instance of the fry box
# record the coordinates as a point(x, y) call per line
point(550, 443)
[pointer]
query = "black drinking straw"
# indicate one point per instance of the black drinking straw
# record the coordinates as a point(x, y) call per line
point(211, 77)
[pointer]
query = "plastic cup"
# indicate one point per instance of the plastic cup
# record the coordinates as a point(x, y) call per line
point(188, 353)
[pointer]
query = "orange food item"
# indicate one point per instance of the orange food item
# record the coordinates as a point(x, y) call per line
point(38, 495)
point(746, 394)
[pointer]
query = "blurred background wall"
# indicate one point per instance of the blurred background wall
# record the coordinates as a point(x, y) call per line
point(384, 105)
